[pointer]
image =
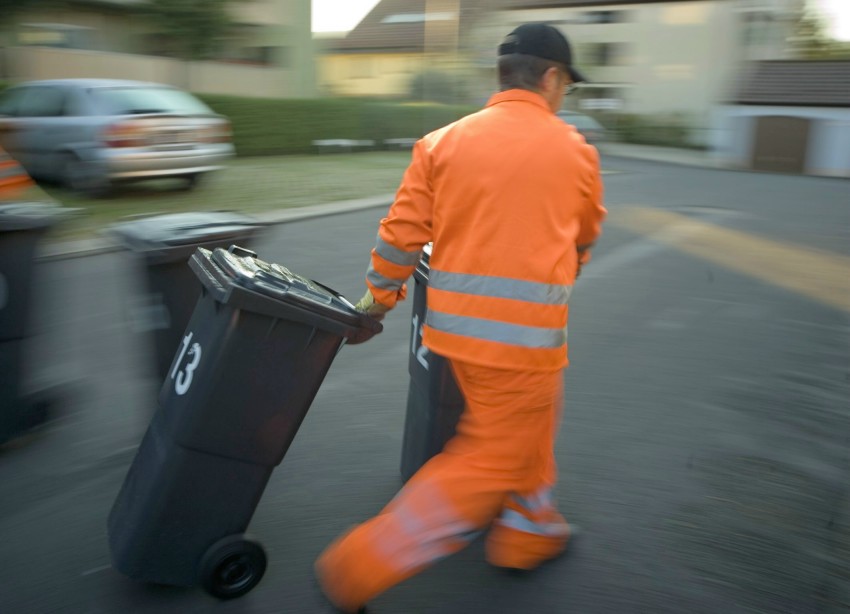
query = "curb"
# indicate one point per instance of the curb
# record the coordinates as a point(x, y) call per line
point(666, 157)
point(100, 245)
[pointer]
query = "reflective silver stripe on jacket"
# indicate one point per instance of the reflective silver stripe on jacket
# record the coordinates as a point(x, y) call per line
point(380, 281)
point(501, 332)
point(395, 255)
point(500, 287)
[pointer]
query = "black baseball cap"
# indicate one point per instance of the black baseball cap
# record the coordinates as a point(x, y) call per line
point(542, 41)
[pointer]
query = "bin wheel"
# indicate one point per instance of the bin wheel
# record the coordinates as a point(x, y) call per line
point(232, 566)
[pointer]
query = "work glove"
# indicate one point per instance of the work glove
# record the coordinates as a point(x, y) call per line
point(370, 307)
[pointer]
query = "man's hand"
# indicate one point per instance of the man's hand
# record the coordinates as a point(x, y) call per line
point(371, 308)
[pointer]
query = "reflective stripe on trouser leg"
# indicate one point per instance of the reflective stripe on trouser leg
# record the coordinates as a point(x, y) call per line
point(423, 527)
point(528, 531)
point(534, 514)
point(503, 446)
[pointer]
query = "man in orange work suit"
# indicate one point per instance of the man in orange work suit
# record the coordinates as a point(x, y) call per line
point(13, 178)
point(511, 198)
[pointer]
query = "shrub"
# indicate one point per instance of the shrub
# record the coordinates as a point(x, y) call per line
point(269, 127)
point(664, 130)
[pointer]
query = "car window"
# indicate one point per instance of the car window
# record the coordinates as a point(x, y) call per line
point(43, 101)
point(582, 122)
point(140, 100)
point(10, 100)
point(75, 104)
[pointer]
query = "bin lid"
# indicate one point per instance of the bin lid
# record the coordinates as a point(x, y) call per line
point(278, 282)
point(28, 215)
point(172, 230)
point(236, 276)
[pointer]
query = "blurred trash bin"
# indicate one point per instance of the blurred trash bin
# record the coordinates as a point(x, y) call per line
point(254, 354)
point(434, 401)
point(22, 226)
point(164, 244)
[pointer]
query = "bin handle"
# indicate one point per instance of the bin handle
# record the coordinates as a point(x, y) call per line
point(241, 252)
point(208, 272)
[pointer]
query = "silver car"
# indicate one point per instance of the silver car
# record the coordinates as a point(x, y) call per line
point(90, 133)
point(590, 129)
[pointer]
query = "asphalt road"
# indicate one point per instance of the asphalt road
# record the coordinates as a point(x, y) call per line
point(704, 450)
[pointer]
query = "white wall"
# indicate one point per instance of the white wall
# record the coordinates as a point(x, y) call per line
point(829, 137)
point(684, 56)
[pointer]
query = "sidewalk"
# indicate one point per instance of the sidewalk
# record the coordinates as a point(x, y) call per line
point(666, 155)
point(101, 245)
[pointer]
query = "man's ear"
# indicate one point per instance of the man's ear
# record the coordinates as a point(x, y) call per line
point(551, 78)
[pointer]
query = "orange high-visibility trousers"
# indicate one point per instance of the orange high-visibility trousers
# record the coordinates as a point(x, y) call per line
point(498, 470)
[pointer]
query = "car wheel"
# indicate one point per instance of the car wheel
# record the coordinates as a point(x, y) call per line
point(83, 177)
point(192, 182)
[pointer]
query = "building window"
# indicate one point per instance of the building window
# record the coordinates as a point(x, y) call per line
point(605, 17)
point(685, 15)
point(65, 36)
point(604, 54)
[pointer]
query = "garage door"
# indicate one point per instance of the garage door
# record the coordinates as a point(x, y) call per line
point(781, 144)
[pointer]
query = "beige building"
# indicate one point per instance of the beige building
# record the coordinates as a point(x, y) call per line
point(644, 57)
point(655, 57)
point(267, 50)
point(396, 41)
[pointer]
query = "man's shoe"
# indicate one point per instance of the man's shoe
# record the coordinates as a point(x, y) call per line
point(334, 607)
point(520, 552)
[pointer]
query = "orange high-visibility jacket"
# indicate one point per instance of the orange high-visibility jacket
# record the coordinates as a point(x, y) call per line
point(13, 178)
point(510, 196)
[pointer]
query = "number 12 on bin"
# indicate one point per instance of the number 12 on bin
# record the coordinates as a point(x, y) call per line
point(184, 376)
point(416, 347)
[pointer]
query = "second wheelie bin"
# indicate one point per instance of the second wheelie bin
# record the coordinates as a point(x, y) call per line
point(252, 358)
point(163, 245)
point(434, 401)
point(22, 226)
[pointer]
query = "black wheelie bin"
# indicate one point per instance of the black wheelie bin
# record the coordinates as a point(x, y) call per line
point(254, 354)
point(163, 245)
point(22, 226)
point(434, 401)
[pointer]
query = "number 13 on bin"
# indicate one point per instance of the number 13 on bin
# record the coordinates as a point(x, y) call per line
point(184, 376)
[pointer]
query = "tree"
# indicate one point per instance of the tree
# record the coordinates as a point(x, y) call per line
point(194, 28)
point(11, 9)
point(811, 41)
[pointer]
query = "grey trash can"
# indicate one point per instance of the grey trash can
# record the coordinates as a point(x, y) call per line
point(22, 226)
point(163, 245)
point(252, 358)
point(434, 401)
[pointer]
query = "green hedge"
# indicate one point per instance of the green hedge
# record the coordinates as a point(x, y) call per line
point(663, 130)
point(269, 127)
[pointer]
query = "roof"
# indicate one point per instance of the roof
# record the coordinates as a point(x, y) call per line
point(795, 83)
point(399, 25)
